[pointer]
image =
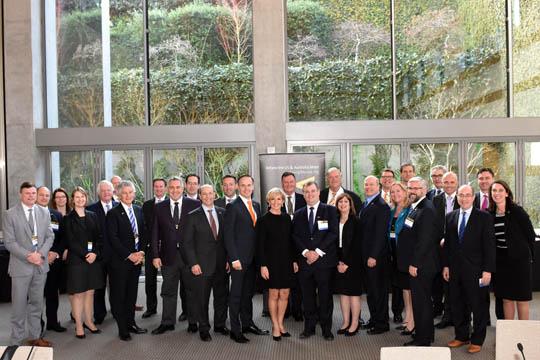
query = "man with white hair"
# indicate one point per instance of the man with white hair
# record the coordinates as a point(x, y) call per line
point(335, 188)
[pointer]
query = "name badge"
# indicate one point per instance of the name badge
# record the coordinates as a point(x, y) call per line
point(409, 222)
point(322, 224)
point(55, 226)
point(34, 242)
point(392, 235)
point(480, 283)
point(89, 246)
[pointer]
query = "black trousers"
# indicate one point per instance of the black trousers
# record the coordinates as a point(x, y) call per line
point(466, 296)
point(150, 286)
point(201, 287)
point(377, 294)
point(123, 283)
point(100, 309)
point(241, 297)
point(421, 290)
point(441, 297)
point(52, 289)
point(316, 285)
point(397, 301)
point(295, 299)
point(173, 274)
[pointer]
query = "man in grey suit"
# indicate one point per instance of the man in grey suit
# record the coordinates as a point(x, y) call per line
point(28, 236)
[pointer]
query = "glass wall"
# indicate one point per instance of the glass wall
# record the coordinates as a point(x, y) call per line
point(74, 168)
point(425, 156)
point(500, 157)
point(451, 59)
point(371, 160)
point(339, 60)
point(200, 62)
point(174, 162)
point(332, 153)
point(129, 165)
point(221, 161)
point(532, 182)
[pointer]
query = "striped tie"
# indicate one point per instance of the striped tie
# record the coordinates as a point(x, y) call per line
point(134, 227)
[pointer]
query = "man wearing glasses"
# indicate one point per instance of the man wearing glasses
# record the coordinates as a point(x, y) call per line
point(437, 173)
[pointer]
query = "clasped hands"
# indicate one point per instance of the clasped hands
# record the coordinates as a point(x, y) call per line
point(137, 257)
point(311, 256)
point(34, 258)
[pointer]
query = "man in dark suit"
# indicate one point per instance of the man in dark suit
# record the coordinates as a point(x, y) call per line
point(417, 251)
point(101, 207)
point(229, 187)
point(293, 202)
point(437, 173)
point(374, 218)
point(329, 195)
point(125, 227)
point(444, 204)
point(192, 186)
point(469, 261)
point(54, 276)
point(406, 172)
point(150, 272)
point(204, 252)
point(240, 243)
point(167, 236)
point(315, 231)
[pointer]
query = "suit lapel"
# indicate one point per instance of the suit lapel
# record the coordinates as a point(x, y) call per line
point(27, 229)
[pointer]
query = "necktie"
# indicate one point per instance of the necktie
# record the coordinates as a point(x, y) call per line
point(107, 207)
point(332, 200)
point(311, 219)
point(437, 192)
point(213, 224)
point(134, 227)
point(484, 202)
point(449, 204)
point(227, 201)
point(251, 212)
point(387, 197)
point(461, 231)
point(289, 206)
point(31, 221)
point(176, 215)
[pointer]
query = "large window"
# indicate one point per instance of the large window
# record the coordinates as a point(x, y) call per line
point(451, 58)
point(129, 165)
point(425, 156)
point(532, 182)
point(174, 162)
point(200, 61)
point(339, 60)
point(74, 168)
point(371, 160)
point(220, 161)
point(500, 157)
point(526, 51)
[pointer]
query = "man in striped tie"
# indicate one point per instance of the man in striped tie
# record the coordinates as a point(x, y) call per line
point(125, 227)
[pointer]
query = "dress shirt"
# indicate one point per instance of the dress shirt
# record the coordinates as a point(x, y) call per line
point(194, 197)
point(384, 194)
point(468, 212)
point(482, 199)
point(214, 215)
point(341, 234)
point(129, 208)
point(27, 214)
point(315, 207)
point(414, 205)
point(158, 200)
point(330, 192)
point(104, 206)
point(229, 200)
point(449, 201)
point(369, 199)
point(293, 200)
point(179, 201)
point(245, 201)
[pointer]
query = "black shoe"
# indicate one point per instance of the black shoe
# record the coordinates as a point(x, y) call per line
point(95, 331)
point(437, 313)
point(125, 337)
point(98, 321)
point(398, 319)
point(205, 336)
point(377, 331)
point(276, 338)
point(265, 314)
point(192, 328)
point(328, 336)
point(162, 328)
point(443, 324)
point(306, 334)
point(401, 327)
point(254, 330)
point(298, 317)
point(407, 332)
point(415, 343)
point(352, 333)
point(56, 327)
point(148, 314)
point(285, 334)
point(182, 317)
point(368, 326)
point(239, 338)
point(342, 331)
point(222, 330)
point(83, 336)
point(134, 329)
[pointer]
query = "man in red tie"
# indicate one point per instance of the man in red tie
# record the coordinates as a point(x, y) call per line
point(485, 178)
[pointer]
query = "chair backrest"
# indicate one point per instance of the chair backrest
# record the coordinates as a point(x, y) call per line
point(22, 352)
point(510, 333)
point(416, 353)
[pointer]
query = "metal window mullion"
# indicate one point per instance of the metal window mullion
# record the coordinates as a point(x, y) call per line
point(146, 75)
point(462, 161)
point(393, 55)
point(509, 60)
point(148, 172)
point(520, 171)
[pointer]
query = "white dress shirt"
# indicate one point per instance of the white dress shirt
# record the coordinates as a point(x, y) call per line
point(214, 215)
point(179, 201)
point(315, 208)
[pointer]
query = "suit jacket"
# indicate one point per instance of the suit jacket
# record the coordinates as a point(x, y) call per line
point(166, 239)
point(374, 221)
point(519, 233)
point(76, 237)
point(299, 202)
point(120, 235)
point(417, 245)
point(477, 199)
point(148, 214)
point(432, 193)
point(350, 252)
point(239, 232)
point(58, 243)
point(97, 209)
point(439, 202)
point(356, 199)
point(477, 252)
point(18, 239)
point(200, 246)
point(325, 240)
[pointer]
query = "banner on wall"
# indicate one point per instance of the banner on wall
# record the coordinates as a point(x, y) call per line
point(306, 167)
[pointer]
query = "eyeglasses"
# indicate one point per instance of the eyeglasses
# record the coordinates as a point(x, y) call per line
point(465, 196)
point(436, 176)
point(414, 188)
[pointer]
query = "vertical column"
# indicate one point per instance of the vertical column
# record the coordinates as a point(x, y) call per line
point(269, 76)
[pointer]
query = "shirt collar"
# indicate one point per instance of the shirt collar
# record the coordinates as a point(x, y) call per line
point(468, 211)
point(414, 205)
point(369, 199)
point(179, 201)
point(126, 207)
point(26, 208)
point(206, 208)
point(315, 207)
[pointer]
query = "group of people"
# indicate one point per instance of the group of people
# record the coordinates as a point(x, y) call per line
point(437, 251)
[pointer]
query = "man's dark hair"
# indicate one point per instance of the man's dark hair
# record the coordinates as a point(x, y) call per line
point(228, 176)
point(193, 175)
point(390, 171)
point(287, 173)
point(405, 164)
point(248, 176)
point(26, 185)
point(485, 169)
point(159, 179)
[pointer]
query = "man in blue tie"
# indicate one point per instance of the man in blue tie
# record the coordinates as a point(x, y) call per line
point(469, 261)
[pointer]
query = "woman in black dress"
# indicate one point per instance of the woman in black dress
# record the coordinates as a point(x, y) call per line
point(515, 237)
point(276, 256)
point(348, 282)
point(83, 241)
